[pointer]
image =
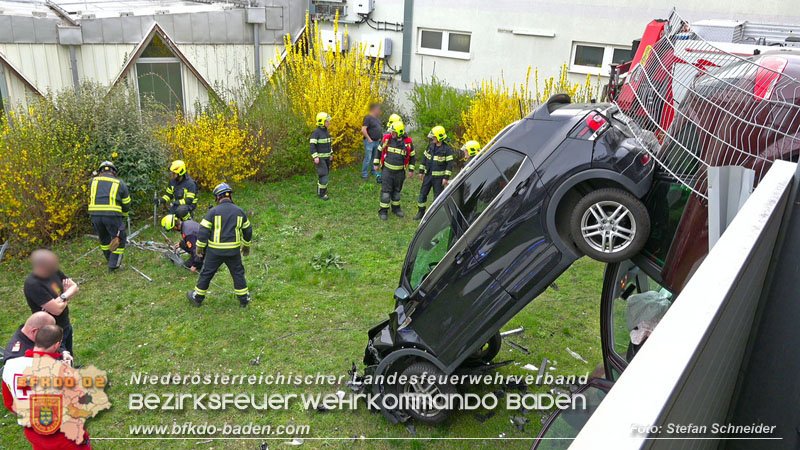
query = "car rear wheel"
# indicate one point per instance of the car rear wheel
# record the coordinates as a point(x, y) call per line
point(421, 373)
point(610, 225)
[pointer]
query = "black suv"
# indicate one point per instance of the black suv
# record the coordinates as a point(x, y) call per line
point(563, 182)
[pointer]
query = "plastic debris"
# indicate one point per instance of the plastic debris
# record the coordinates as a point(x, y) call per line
point(519, 422)
point(576, 356)
point(295, 441)
point(411, 429)
point(530, 367)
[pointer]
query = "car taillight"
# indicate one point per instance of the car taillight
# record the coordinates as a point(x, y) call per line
point(767, 76)
point(645, 158)
point(595, 121)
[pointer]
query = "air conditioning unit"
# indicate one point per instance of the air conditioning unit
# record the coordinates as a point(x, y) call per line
point(329, 40)
point(377, 46)
point(364, 7)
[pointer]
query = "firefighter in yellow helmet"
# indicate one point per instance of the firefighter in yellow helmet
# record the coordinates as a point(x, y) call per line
point(376, 155)
point(470, 149)
point(190, 231)
point(109, 203)
point(397, 154)
point(182, 190)
point(322, 153)
point(435, 168)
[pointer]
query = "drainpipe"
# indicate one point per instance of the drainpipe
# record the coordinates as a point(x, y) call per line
point(408, 30)
point(257, 16)
point(257, 50)
point(74, 63)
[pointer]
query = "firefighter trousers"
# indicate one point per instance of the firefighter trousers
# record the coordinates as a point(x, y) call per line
point(429, 182)
point(391, 188)
point(213, 260)
point(323, 170)
point(107, 228)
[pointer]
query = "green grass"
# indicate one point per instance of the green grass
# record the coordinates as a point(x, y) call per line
point(303, 320)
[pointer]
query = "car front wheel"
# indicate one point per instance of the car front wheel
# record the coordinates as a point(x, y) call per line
point(610, 225)
point(426, 380)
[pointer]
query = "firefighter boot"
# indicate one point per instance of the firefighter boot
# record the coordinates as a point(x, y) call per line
point(322, 193)
point(420, 213)
point(382, 213)
point(244, 300)
point(197, 300)
point(397, 211)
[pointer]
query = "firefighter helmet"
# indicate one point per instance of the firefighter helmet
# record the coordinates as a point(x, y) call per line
point(322, 118)
point(182, 213)
point(178, 167)
point(399, 128)
point(472, 148)
point(222, 189)
point(168, 222)
point(107, 166)
point(438, 132)
point(392, 119)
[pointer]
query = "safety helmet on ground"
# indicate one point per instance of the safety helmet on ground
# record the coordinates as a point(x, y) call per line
point(399, 128)
point(472, 148)
point(392, 119)
point(322, 118)
point(178, 167)
point(107, 166)
point(182, 212)
point(168, 222)
point(222, 189)
point(438, 132)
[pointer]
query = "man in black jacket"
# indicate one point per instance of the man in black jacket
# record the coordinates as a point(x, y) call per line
point(223, 232)
point(435, 168)
point(182, 191)
point(322, 153)
point(190, 231)
point(48, 289)
point(109, 203)
point(25, 336)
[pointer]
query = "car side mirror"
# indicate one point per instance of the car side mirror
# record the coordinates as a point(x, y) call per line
point(401, 294)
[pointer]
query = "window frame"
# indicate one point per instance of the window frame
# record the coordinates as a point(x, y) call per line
point(444, 51)
point(160, 60)
point(605, 66)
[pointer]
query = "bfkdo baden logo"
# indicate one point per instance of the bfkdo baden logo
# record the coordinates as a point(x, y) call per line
point(53, 396)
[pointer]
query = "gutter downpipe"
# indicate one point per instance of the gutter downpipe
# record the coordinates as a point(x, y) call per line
point(408, 29)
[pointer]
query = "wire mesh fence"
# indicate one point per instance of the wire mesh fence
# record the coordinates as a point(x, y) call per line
point(713, 104)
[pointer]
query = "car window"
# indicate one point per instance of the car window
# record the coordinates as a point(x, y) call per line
point(568, 424)
point(665, 203)
point(433, 241)
point(485, 182)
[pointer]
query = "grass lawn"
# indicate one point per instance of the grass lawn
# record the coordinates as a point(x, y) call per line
point(304, 320)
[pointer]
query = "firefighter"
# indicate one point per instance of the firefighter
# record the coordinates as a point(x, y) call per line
point(435, 168)
point(397, 153)
point(376, 154)
point(321, 153)
point(224, 232)
point(189, 230)
point(109, 203)
point(182, 190)
point(470, 149)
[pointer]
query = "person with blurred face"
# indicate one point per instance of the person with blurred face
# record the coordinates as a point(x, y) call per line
point(48, 289)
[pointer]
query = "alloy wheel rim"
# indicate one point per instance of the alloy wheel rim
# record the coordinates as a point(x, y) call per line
point(429, 389)
point(608, 226)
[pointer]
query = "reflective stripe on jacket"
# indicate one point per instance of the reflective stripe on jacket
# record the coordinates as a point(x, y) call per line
point(108, 196)
point(320, 143)
point(184, 192)
point(225, 227)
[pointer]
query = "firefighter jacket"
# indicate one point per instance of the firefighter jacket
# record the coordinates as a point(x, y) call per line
point(320, 143)
point(108, 196)
point(225, 227)
point(190, 231)
point(182, 190)
point(396, 153)
point(438, 161)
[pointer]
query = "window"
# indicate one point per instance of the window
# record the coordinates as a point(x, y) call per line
point(450, 44)
point(595, 59)
point(485, 182)
point(159, 75)
point(432, 243)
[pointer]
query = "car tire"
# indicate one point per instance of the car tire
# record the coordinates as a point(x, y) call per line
point(489, 350)
point(610, 225)
point(431, 416)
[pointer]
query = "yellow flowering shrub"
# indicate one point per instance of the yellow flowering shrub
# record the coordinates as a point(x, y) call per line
point(495, 104)
point(215, 147)
point(43, 174)
point(342, 84)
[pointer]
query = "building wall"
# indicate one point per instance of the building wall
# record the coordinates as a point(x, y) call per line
point(496, 51)
point(45, 65)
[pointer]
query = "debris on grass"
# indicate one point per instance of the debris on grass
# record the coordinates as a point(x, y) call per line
point(513, 332)
point(530, 367)
point(518, 347)
point(554, 286)
point(142, 274)
point(327, 260)
point(519, 422)
point(484, 417)
point(576, 356)
point(411, 429)
point(295, 441)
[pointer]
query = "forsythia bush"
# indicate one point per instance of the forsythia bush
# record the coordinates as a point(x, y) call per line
point(215, 148)
point(342, 84)
point(495, 105)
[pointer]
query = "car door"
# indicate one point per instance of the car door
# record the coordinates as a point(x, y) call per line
point(563, 425)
